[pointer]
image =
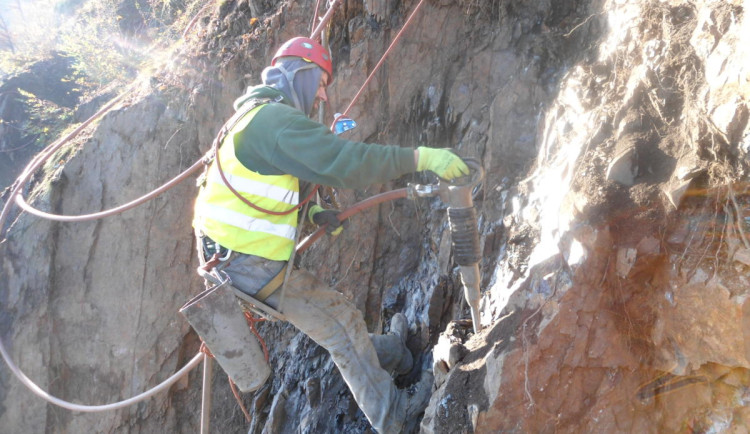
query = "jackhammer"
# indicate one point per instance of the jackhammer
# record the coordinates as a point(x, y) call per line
point(462, 218)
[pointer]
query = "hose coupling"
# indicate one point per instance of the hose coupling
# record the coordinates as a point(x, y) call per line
point(414, 191)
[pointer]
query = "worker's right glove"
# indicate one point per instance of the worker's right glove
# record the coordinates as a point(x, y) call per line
point(321, 216)
point(443, 162)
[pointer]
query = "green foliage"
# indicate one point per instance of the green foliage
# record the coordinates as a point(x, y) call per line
point(109, 39)
point(93, 40)
point(46, 120)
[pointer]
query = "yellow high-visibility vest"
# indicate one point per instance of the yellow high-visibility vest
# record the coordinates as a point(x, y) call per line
point(235, 225)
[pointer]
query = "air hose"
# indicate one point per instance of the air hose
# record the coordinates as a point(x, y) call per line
point(355, 209)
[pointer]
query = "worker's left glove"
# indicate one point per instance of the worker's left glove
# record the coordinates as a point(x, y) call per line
point(321, 216)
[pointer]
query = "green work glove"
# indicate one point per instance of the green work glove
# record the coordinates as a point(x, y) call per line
point(321, 216)
point(443, 162)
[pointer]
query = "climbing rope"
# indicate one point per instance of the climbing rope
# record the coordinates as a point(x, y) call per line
point(18, 148)
point(237, 396)
point(380, 62)
point(37, 161)
point(107, 407)
point(325, 19)
point(34, 165)
point(315, 16)
point(195, 20)
point(251, 321)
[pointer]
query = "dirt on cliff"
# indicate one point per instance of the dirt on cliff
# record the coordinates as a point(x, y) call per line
point(614, 138)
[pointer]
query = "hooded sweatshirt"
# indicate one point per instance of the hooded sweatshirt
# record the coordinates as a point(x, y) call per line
point(281, 139)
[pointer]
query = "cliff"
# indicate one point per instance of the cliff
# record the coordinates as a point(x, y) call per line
point(614, 137)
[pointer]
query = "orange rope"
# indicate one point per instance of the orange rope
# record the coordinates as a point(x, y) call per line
point(251, 320)
point(239, 400)
point(204, 349)
point(315, 17)
point(380, 62)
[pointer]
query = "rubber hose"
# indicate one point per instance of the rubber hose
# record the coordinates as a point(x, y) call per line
point(355, 209)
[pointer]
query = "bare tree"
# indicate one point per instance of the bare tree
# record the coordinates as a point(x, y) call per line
point(6, 39)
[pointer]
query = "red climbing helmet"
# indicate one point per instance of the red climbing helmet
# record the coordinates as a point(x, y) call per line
point(308, 49)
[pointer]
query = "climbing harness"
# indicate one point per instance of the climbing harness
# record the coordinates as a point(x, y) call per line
point(214, 155)
point(381, 61)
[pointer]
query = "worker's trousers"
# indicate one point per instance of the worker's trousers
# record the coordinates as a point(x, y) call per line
point(334, 323)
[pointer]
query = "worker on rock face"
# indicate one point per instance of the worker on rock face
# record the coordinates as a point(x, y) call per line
point(268, 150)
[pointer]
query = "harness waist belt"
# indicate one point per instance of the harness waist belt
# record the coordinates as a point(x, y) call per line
point(271, 286)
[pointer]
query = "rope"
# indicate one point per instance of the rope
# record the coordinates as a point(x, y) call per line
point(21, 202)
point(236, 394)
point(251, 320)
point(380, 62)
point(18, 148)
point(205, 350)
point(315, 16)
point(192, 169)
point(96, 408)
point(195, 20)
point(324, 20)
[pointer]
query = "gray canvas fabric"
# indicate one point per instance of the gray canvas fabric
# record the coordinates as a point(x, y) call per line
point(250, 273)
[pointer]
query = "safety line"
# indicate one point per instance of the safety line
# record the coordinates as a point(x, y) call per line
point(315, 16)
point(106, 407)
point(380, 63)
point(325, 19)
point(46, 153)
point(18, 198)
point(195, 20)
point(18, 148)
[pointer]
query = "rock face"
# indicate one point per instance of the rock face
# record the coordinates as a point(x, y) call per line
point(613, 224)
point(632, 313)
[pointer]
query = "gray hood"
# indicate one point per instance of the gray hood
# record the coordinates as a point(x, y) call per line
point(297, 79)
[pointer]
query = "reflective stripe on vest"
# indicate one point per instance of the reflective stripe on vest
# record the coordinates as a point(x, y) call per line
point(234, 224)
